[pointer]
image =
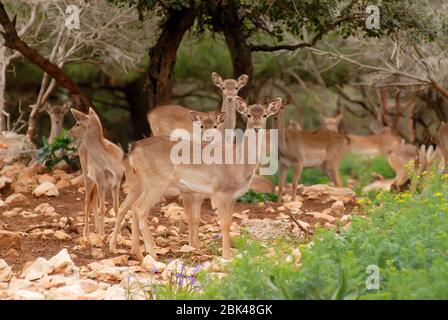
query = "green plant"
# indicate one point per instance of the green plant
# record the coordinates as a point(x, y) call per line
point(61, 149)
point(404, 235)
point(253, 197)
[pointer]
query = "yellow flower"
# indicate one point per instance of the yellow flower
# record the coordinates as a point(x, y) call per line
point(438, 194)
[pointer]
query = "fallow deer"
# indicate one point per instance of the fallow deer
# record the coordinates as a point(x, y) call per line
point(56, 113)
point(164, 119)
point(157, 176)
point(380, 143)
point(101, 164)
point(305, 149)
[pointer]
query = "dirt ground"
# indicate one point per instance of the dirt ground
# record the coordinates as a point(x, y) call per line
point(70, 204)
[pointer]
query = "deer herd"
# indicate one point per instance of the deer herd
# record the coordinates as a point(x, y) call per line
point(151, 175)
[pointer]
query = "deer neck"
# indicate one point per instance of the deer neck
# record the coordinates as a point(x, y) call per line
point(55, 129)
point(231, 113)
point(279, 124)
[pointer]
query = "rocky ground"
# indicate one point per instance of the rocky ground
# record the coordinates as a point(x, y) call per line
point(43, 255)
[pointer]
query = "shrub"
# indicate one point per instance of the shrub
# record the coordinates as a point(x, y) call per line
point(405, 235)
point(61, 149)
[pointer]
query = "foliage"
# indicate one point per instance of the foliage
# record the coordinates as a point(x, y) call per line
point(253, 197)
point(406, 237)
point(61, 149)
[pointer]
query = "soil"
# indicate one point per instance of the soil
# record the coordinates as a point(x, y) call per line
point(70, 203)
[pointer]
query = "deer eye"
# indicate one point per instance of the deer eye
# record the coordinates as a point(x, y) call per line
point(215, 126)
point(249, 115)
point(265, 115)
point(202, 127)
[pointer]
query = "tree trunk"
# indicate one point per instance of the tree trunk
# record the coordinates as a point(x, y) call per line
point(228, 20)
point(3, 124)
point(138, 107)
point(162, 56)
point(13, 41)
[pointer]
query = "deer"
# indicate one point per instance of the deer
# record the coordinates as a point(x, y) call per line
point(304, 149)
point(164, 119)
point(157, 175)
point(56, 113)
point(102, 167)
point(441, 138)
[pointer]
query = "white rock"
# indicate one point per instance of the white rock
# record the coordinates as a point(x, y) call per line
point(4, 181)
point(17, 199)
point(186, 248)
point(20, 284)
point(115, 293)
point(67, 292)
point(10, 213)
point(61, 235)
point(150, 264)
point(45, 209)
point(175, 266)
point(29, 295)
point(5, 271)
point(37, 269)
point(46, 188)
point(62, 262)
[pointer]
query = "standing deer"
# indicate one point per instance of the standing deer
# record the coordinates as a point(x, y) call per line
point(157, 175)
point(56, 113)
point(380, 143)
point(164, 119)
point(101, 164)
point(304, 149)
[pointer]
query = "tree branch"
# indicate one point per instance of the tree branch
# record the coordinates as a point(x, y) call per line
point(13, 41)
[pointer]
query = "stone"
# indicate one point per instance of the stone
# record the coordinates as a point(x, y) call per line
point(36, 269)
point(186, 248)
point(338, 207)
point(48, 189)
point(88, 286)
point(27, 214)
point(120, 260)
point(9, 239)
point(4, 181)
point(151, 265)
point(323, 193)
point(61, 184)
point(29, 295)
point(17, 200)
point(173, 211)
point(46, 178)
point(55, 281)
point(61, 235)
point(10, 213)
point(70, 292)
point(161, 231)
point(20, 284)
point(45, 209)
point(62, 262)
point(266, 229)
point(5, 271)
point(162, 242)
point(12, 253)
point(175, 266)
point(293, 206)
point(77, 181)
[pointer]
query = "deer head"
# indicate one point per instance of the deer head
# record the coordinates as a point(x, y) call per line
point(229, 87)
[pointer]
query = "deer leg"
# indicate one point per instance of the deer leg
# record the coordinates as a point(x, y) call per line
point(282, 171)
point(296, 173)
point(101, 209)
point(116, 200)
point(187, 202)
point(135, 237)
point(89, 198)
point(197, 204)
point(225, 203)
point(132, 197)
point(142, 209)
point(332, 171)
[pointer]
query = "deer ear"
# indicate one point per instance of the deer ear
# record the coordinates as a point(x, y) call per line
point(67, 105)
point(242, 80)
point(217, 80)
point(287, 100)
point(78, 115)
point(221, 117)
point(194, 116)
point(274, 106)
point(240, 105)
